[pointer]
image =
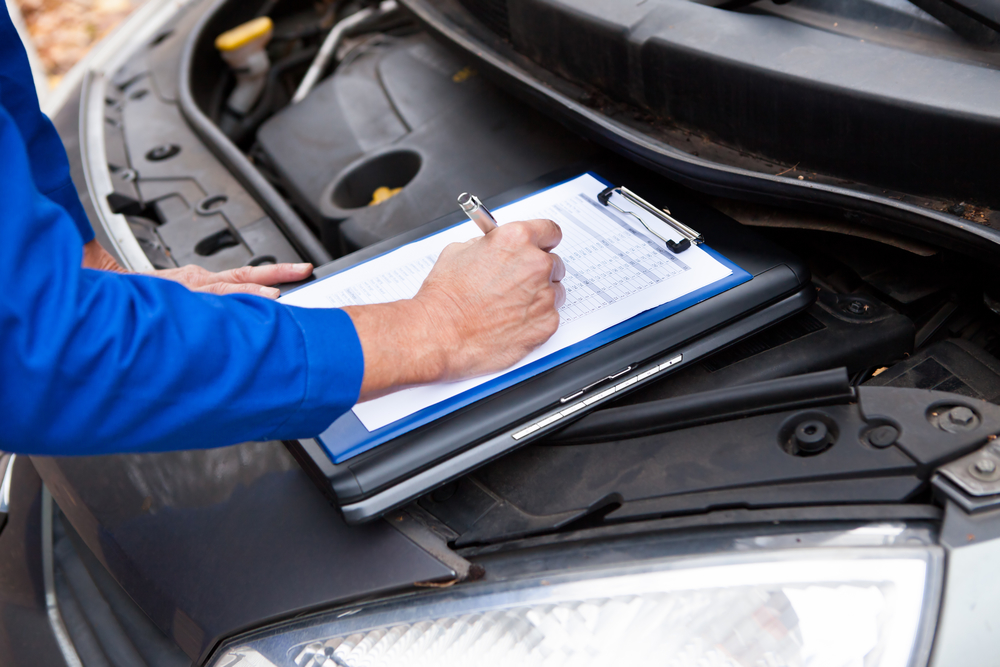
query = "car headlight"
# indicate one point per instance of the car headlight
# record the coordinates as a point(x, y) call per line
point(823, 606)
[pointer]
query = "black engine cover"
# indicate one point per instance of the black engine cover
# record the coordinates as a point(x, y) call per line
point(403, 112)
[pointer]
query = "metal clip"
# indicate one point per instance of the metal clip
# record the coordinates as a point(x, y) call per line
point(689, 235)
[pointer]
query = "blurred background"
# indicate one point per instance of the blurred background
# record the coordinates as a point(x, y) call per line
point(62, 31)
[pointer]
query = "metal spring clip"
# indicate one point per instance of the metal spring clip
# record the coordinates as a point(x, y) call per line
point(689, 235)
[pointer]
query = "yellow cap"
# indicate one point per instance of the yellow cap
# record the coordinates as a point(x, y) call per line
point(243, 34)
point(382, 194)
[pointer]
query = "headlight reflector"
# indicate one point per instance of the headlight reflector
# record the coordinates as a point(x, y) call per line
point(861, 607)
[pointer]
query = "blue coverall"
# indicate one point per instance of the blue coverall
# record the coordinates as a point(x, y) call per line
point(94, 362)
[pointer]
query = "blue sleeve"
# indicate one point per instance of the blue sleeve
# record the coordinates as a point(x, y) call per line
point(94, 362)
point(46, 154)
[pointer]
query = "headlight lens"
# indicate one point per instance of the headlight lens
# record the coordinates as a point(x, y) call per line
point(826, 607)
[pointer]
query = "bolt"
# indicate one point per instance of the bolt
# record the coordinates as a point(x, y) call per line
point(985, 466)
point(857, 307)
point(961, 416)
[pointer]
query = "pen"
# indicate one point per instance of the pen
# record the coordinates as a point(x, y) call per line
point(478, 213)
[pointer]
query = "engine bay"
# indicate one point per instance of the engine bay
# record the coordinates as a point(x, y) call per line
point(378, 148)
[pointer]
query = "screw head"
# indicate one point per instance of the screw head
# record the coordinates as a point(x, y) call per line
point(985, 466)
point(961, 416)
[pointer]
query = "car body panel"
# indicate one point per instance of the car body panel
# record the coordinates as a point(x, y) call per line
point(210, 543)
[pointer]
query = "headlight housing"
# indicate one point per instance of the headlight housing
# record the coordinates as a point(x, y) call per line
point(822, 606)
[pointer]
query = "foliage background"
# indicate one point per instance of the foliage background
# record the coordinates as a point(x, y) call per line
point(64, 30)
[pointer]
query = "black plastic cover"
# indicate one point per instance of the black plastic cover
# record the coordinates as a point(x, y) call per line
point(406, 113)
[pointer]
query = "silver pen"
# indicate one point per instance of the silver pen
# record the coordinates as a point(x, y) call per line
point(478, 213)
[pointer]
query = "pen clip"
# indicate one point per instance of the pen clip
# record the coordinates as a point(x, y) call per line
point(689, 236)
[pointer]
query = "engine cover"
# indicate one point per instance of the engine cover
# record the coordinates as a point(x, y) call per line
point(405, 113)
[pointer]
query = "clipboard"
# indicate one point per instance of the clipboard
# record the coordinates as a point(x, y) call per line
point(368, 473)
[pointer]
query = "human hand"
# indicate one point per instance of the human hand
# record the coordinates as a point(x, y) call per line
point(486, 304)
point(244, 280)
point(494, 299)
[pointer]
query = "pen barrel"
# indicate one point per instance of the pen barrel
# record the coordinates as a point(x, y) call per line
point(483, 220)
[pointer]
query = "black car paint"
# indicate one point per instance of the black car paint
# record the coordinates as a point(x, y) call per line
point(211, 543)
point(26, 637)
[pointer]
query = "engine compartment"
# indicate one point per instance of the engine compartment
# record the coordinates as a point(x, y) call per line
point(402, 112)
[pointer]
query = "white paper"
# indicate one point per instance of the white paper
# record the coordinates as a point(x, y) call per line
point(614, 270)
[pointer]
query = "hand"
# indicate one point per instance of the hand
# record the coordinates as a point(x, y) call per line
point(244, 280)
point(486, 304)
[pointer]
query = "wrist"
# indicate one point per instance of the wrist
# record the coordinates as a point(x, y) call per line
point(96, 257)
point(401, 345)
point(424, 340)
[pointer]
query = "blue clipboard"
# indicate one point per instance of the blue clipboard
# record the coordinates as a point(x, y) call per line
point(347, 437)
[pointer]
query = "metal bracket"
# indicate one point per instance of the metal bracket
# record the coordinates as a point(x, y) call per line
point(973, 481)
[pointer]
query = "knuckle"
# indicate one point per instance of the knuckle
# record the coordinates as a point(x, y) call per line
point(542, 263)
point(243, 274)
point(551, 323)
point(515, 234)
point(547, 300)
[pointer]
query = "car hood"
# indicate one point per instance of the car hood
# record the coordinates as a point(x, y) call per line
point(752, 106)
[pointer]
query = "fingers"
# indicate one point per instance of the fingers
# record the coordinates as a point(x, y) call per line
point(241, 288)
point(558, 269)
point(543, 233)
point(269, 274)
point(191, 276)
point(560, 295)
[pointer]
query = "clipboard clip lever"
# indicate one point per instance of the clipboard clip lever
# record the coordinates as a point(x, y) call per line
point(689, 236)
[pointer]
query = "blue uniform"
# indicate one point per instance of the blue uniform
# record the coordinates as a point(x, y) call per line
point(94, 362)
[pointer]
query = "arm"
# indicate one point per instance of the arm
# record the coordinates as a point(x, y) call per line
point(47, 157)
point(98, 362)
point(95, 362)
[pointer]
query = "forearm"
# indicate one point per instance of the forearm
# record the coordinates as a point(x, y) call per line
point(138, 364)
point(400, 345)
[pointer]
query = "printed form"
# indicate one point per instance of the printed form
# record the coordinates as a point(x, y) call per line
point(615, 270)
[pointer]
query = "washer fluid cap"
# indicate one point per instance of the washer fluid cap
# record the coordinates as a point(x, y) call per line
point(244, 34)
